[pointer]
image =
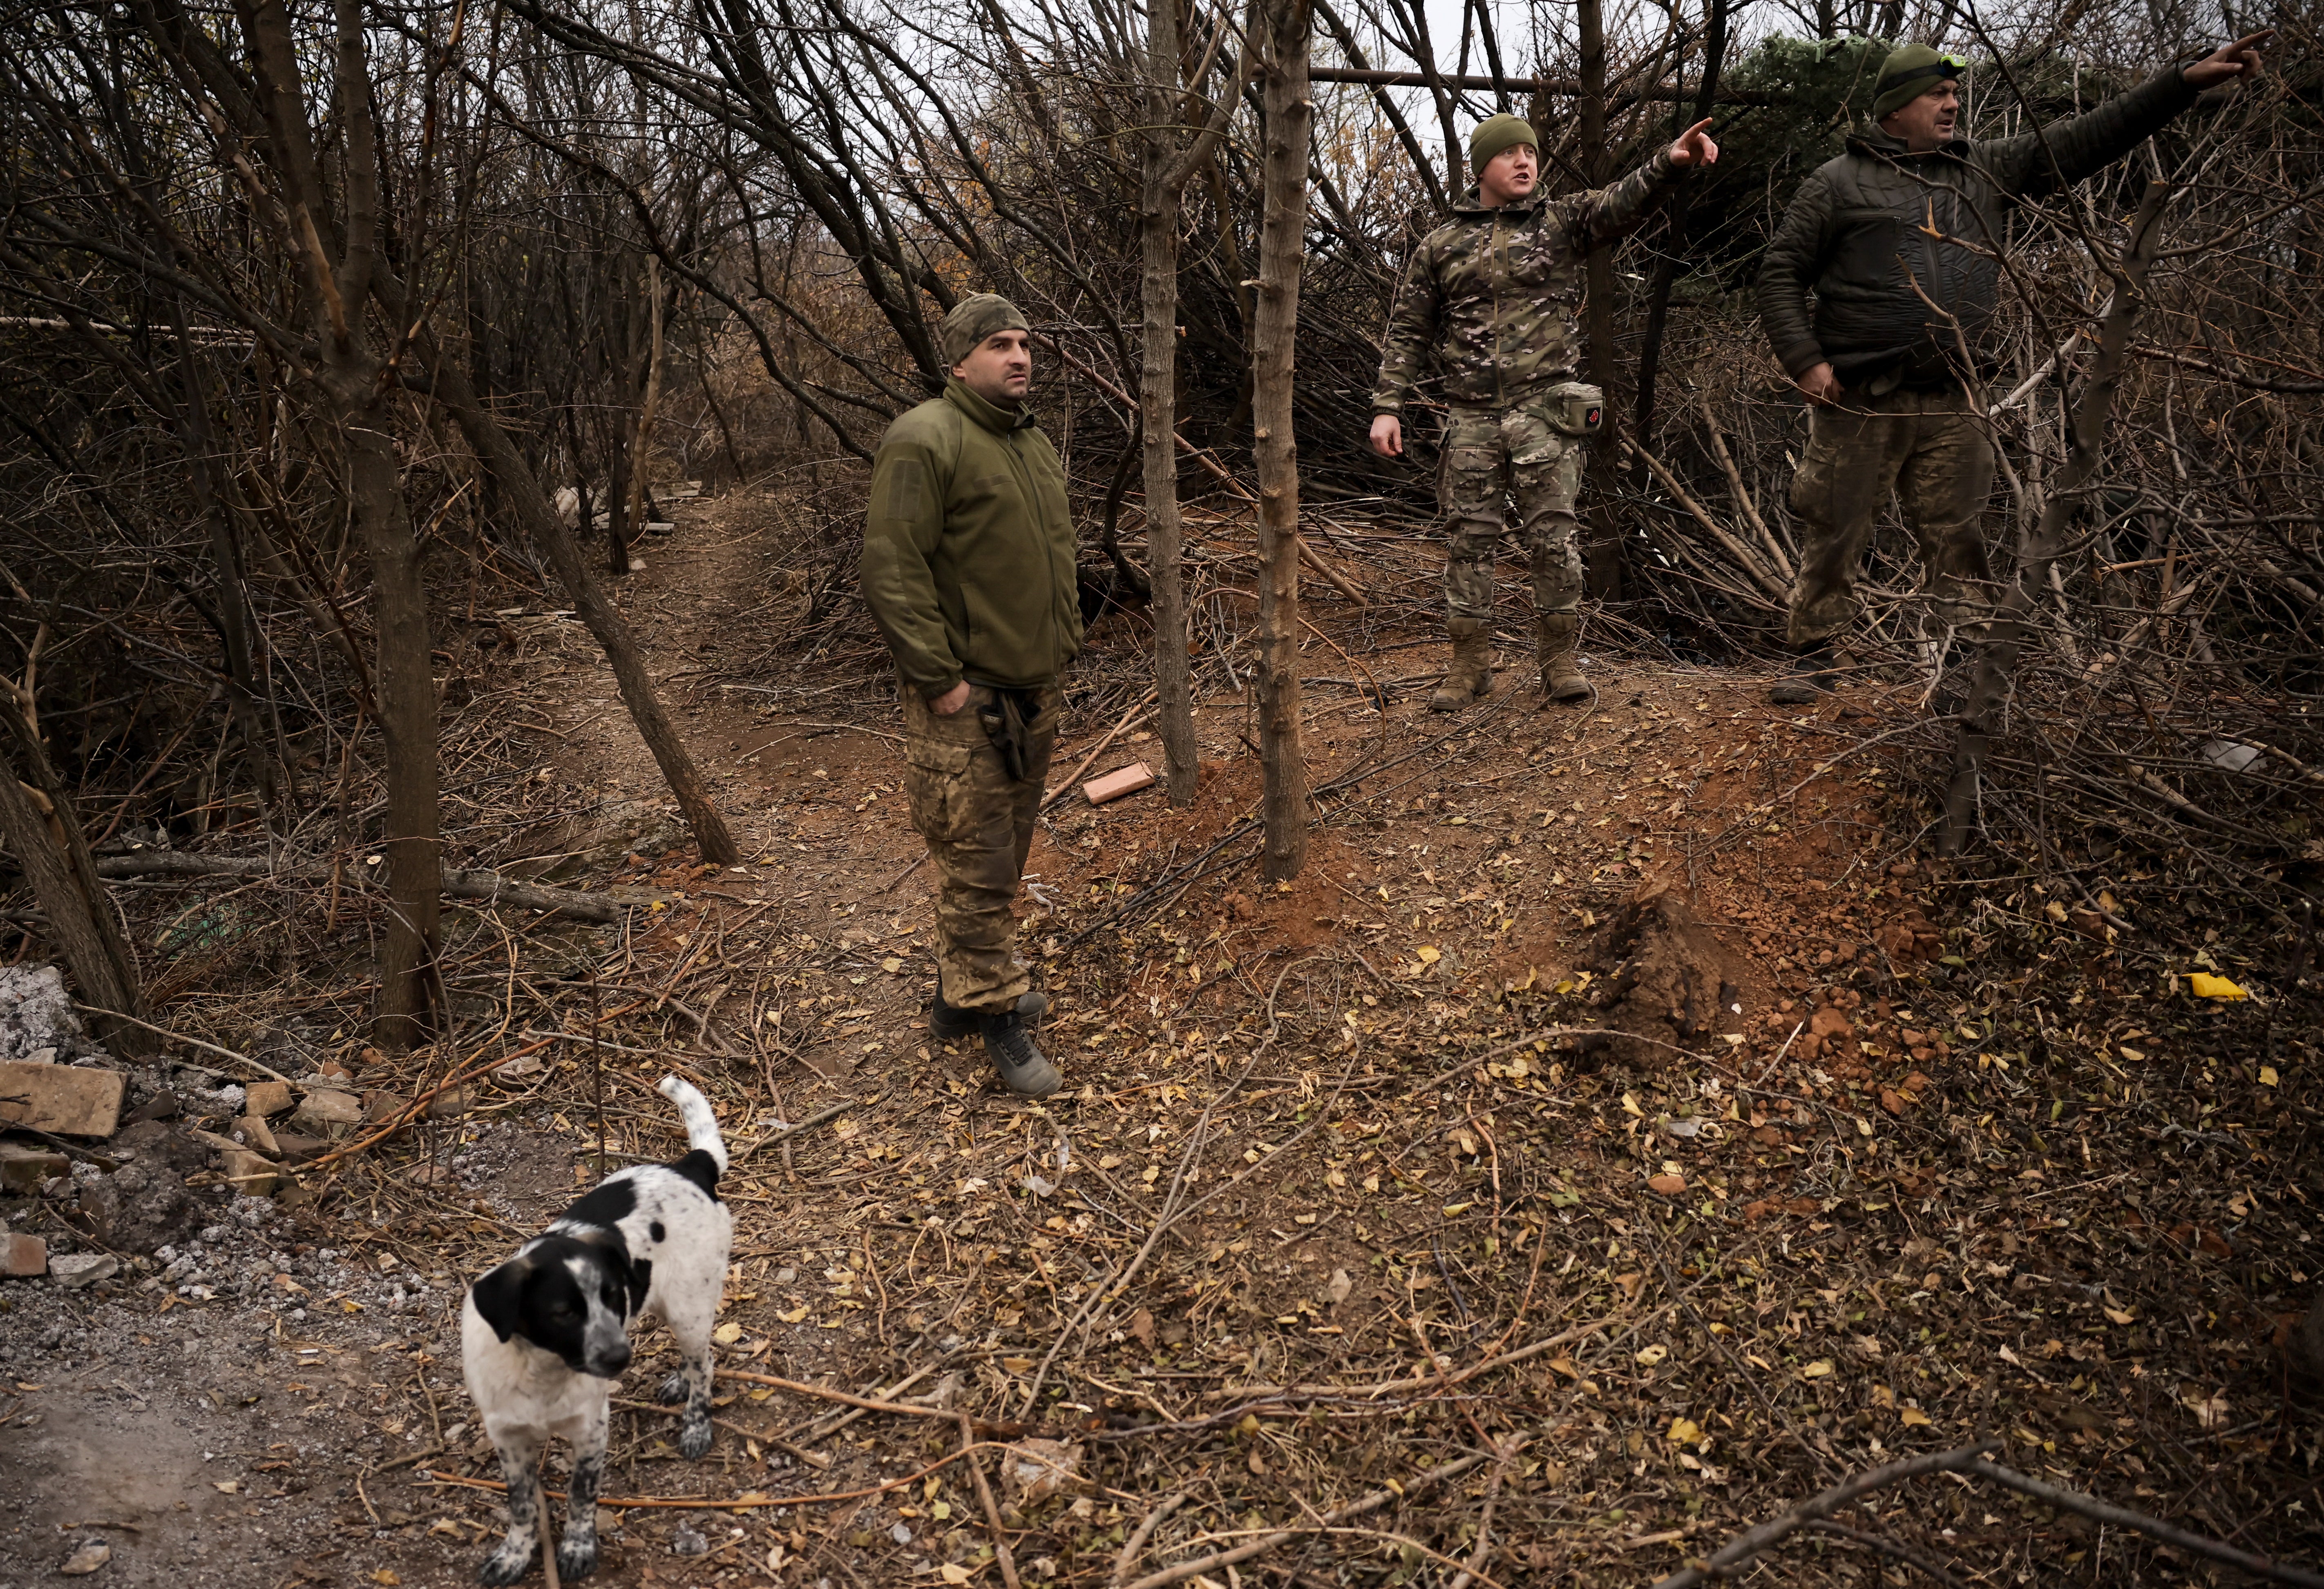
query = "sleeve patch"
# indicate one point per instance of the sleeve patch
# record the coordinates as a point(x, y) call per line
point(906, 494)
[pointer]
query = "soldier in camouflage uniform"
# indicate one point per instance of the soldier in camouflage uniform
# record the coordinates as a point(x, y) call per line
point(1490, 296)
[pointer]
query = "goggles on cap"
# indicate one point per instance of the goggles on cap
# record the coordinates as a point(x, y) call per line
point(1944, 66)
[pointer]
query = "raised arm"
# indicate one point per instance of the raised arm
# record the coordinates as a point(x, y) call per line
point(1601, 216)
point(2064, 153)
point(900, 532)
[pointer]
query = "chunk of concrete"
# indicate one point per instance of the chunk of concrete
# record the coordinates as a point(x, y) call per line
point(22, 1256)
point(326, 1112)
point(67, 1099)
point(77, 1270)
point(22, 1167)
point(267, 1098)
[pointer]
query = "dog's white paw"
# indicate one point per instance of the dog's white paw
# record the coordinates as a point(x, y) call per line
point(507, 1564)
point(695, 1435)
point(577, 1557)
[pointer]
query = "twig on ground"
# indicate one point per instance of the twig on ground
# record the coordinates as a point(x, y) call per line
point(984, 1498)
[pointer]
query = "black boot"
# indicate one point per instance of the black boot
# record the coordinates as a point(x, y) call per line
point(1023, 1067)
point(948, 1024)
point(1814, 674)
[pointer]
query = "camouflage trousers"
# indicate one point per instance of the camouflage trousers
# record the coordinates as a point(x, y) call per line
point(1491, 455)
point(978, 822)
point(1932, 453)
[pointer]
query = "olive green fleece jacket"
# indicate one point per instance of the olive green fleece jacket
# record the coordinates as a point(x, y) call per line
point(968, 547)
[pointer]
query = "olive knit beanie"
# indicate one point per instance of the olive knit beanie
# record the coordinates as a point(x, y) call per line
point(974, 318)
point(1907, 74)
point(1495, 134)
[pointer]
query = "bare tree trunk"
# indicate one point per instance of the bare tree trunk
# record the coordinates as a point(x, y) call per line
point(1158, 224)
point(43, 833)
point(1603, 537)
point(643, 440)
point(353, 377)
point(406, 684)
point(522, 491)
point(1286, 29)
point(2011, 623)
point(1163, 172)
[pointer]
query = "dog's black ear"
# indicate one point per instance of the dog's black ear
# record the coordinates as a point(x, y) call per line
point(499, 1296)
point(640, 1282)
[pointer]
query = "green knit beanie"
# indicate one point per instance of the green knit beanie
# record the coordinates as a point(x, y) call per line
point(1495, 134)
point(974, 318)
point(1910, 72)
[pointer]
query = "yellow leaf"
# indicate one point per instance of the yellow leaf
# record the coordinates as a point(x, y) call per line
point(385, 1575)
point(1452, 1208)
point(1912, 1417)
point(795, 1315)
point(1816, 1370)
point(1650, 1356)
point(1685, 1431)
point(2203, 985)
point(2267, 1076)
point(226, 1487)
point(1630, 1106)
point(1429, 954)
point(1018, 1365)
point(2120, 1315)
point(727, 1334)
point(891, 964)
point(953, 1572)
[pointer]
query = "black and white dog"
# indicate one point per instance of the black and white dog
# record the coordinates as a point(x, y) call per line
point(545, 1335)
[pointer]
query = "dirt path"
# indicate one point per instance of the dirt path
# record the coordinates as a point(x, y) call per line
point(1639, 1030)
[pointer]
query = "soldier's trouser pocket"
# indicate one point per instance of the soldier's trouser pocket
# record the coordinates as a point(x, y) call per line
point(935, 778)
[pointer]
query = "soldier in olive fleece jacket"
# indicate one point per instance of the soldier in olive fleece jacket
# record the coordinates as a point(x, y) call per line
point(968, 568)
point(1489, 299)
point(1910, 210)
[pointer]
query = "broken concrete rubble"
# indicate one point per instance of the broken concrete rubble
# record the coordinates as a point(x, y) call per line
point(66, 1099)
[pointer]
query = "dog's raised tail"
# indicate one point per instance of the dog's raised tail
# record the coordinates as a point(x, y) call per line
point(701, 1125)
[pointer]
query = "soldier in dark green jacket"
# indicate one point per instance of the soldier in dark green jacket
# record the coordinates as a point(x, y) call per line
point(968, 568)
point(1899, 240)
point(1489, 299)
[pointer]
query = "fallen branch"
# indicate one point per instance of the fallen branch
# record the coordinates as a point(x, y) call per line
point(207, 1047)
point(1007, 1431)
point(2090, 1507)
point(1218, 1560)
point(1970, 1461)
point(1752, 1541)
point(1001, 1551)
point(719, 1503)
point(490, 888)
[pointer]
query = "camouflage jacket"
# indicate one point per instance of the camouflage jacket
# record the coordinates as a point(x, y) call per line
point(1493, 294)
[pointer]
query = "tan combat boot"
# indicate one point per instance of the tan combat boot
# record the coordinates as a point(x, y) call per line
point(1553, 634)
point(1470, 676)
